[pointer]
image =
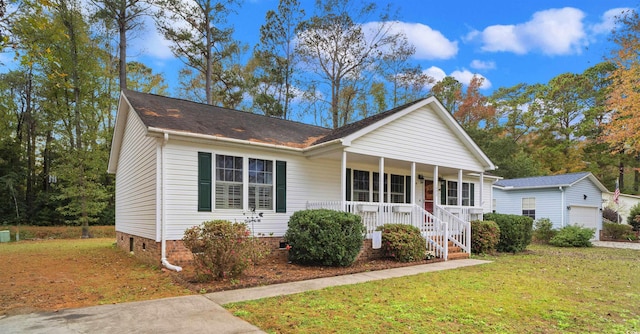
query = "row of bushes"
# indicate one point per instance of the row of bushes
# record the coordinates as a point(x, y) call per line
point(314, 237)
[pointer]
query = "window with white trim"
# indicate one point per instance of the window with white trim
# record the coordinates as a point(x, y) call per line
point(397, 188)
point(228, 182)
point(529, 207)
point(260, 184)
point(376, 183)
point(452, 193)
point(361, 186)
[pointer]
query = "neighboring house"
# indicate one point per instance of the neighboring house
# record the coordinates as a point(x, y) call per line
point(624, 205)
point(179, 163)
point(567, 199)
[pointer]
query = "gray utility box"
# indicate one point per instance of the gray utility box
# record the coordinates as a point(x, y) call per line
point(5, 236)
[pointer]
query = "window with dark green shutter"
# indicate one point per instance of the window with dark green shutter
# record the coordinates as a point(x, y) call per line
point(281, 186)
point(204, 181)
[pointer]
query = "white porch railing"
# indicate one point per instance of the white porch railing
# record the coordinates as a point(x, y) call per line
point(438, 228)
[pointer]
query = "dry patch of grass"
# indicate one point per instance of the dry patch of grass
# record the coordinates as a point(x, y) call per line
point(58, 232)
point(48, 275)
point(545, 290)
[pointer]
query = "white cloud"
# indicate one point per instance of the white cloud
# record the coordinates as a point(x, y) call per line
point(435, 72)
point(608, 20)
point(551, 32)
point(429, 43)
point(464, 76)
point(482, 65)
point(151, 43)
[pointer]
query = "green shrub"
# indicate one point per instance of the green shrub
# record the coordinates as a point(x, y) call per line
point(485, 236)
point(324, 237)
point(617, 231)
point(573, 236)
point(222, 249)
point(634, 217)
point(403, 242)
point(543, 230)
point(515, 231)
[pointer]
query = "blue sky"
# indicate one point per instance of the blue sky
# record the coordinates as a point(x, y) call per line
point(507, 42)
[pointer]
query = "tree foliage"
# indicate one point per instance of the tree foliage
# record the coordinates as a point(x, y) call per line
point(622, 132)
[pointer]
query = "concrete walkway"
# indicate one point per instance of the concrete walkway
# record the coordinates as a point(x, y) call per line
point(191, 314)
point(617, 244)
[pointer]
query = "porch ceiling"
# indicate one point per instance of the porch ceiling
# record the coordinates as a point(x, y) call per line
point(426, 169)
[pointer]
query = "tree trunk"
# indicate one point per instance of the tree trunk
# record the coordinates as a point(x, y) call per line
point(122, 29)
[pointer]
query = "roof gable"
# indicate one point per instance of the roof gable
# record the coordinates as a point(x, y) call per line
point(551, 181)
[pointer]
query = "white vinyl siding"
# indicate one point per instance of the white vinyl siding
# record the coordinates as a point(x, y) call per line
point(429, 136)
point(136, 185)
point(307, 180)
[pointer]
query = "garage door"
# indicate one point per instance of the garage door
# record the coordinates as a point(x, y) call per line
point(585, 216)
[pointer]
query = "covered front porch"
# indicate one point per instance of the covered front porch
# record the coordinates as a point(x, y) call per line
point(439, 200)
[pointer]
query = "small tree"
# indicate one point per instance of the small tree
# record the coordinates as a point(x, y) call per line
point(634, 217)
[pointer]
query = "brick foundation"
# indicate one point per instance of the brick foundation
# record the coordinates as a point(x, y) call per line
point(149, 251)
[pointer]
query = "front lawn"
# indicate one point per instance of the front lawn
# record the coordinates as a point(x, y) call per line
point(49, 275)
point(545, 290)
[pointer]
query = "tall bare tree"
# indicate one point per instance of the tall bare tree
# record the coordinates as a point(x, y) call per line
point(201, 40)
point(124, 16)
point(276, 60)
point(334, 44)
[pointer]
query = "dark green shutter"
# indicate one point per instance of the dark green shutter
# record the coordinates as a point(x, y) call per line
point(471, 194)
point(348, 180)
point(204, 181)
point(281, 186)
point(407, 190)
point(443, 192)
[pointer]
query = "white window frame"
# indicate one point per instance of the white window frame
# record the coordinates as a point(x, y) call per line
point(529, 207)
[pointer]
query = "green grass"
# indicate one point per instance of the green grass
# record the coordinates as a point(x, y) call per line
point(546, 290)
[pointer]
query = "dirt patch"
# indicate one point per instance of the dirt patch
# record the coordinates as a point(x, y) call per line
point(277, 269)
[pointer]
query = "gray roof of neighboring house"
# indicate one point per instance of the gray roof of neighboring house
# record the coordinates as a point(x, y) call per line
point(548, 181)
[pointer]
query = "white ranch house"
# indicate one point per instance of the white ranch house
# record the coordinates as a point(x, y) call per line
point(179, 163)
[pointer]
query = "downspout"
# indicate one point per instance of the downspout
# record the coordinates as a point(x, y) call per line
point(562, 207)
point(163, 219)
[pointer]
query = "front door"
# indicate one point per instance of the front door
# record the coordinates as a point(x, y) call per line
point(428, 195)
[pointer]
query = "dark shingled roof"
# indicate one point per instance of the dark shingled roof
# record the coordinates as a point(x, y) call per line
point(186, 116)
point(543, 181)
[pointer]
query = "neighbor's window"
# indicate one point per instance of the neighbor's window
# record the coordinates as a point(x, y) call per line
point(228, 182)
point(529, 207)
point(261, 184)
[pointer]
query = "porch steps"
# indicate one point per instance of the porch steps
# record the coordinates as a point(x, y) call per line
point(456, 253)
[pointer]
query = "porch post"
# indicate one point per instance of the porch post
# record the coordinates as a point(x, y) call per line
point(460, 187)
point(481, 198)
point(343, 183)
point(436, 185)
point(380, 189)
point(413, 183)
